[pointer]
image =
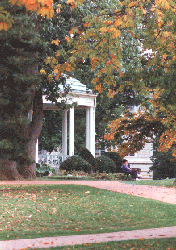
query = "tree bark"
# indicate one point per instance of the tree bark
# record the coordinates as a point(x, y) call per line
point(8, 170)
point(28, 170)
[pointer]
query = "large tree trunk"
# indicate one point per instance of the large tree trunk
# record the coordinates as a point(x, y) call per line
point(8, 170)
point(28, 170)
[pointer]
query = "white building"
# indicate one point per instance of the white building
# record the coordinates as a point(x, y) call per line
point(141, 159)
point(84, 98)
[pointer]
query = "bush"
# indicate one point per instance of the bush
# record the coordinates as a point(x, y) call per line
point(104, 164)
point(163, 166)
point(86, 155)
point(42, 170)
point(76, 163)
point(117, 160)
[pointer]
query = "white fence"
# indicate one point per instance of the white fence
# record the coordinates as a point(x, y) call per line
point(54, 158)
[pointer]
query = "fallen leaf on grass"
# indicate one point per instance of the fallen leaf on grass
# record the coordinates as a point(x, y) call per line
point(26, 248)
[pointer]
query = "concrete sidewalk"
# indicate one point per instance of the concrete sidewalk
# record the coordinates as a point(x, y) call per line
point(151, 233)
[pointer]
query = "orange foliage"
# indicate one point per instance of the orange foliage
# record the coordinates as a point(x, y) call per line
point(41, 7)
point(56, 42)
point(67, 39)
point(105, 58)
point(3, 26)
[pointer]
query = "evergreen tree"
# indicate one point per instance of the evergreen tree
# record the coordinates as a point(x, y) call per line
point(19, 86)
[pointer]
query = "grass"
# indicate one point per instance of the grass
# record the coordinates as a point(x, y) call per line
point(53, 210)
point(103, 176)
point(151, 244)
point(79, 175)
point(163, 183)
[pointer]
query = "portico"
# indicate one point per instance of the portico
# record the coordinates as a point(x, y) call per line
point(83, 98)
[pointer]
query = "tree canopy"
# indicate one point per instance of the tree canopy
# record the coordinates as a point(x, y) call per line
point(129, 45)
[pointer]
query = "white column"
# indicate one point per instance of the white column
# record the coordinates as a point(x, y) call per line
point(64, 134)
point(30, 115)
point(92, 131)
point(36, 152)
point(71, 132)
point(88, 128)
point(36, 145)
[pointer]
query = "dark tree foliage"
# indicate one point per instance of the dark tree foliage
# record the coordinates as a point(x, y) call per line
point(163, 165)
point(76, 163)
point(19, 82)
point(104, 164)
point(117, 159)
point(86, 155)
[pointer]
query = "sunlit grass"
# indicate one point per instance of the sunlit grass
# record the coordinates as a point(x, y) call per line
point(164, 183)
point(52, 210)
point(151, 244)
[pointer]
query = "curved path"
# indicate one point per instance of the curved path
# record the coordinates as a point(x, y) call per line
point(158, 193)
point(163, 194)
point(25, 244)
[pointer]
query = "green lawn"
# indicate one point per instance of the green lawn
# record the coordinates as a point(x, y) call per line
point(152, 244)
point(114, 177)
point(164, 183)
point(53, 210)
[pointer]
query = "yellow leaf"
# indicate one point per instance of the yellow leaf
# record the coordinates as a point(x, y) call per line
point(55, 71)
point(58, 8)
point(108, 22)
point(42, 71)
point(67, 39)
point(56, 42)
point(68, 68)
point(118, 22)
point(50, 78)
point(112, 29)
point(70, 2)
point(3, 26)
point(103, 30)
point(167, 6)
point(116, 34)
point(58, 53)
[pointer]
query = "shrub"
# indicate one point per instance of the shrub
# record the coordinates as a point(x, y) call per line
point(86, 155)
point(42, 170)
point(163, 166)
point(104, 164)
point(77, 163)
point(117, 159)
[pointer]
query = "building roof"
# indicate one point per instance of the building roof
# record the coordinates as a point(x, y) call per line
point(79, 94)
point(75, 86)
